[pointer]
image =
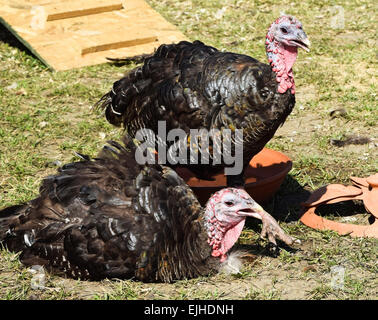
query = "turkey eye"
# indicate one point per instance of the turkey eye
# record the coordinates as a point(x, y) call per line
point(229, 203)
point(284, 30)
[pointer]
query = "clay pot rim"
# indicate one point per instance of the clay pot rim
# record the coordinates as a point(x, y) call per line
point(277, 176)
point(285, 161)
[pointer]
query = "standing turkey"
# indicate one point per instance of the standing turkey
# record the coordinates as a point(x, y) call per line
point(194, 86)
point(112, 218)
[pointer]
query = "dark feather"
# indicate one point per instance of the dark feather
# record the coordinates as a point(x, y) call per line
point(129, 60)
point(110, 217)
point(193, 86)
point(350, 140)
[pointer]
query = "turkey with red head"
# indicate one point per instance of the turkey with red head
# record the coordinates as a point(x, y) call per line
point(112, 218)
point(195, 86)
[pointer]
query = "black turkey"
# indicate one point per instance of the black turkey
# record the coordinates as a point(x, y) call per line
point(192, 86)
point(112, 218)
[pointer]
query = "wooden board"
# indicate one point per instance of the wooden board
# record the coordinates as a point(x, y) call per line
point(80, 8)
point(72, 34)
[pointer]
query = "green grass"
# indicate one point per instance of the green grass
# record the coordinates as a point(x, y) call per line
point(46, 116)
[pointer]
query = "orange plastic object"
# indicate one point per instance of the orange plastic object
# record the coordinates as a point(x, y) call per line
point(365, 189)
point(265, 174)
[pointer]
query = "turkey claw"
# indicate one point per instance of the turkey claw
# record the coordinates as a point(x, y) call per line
point(273, 231)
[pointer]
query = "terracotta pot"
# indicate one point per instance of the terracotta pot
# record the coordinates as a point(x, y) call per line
point(265, 174)
point(365, 189)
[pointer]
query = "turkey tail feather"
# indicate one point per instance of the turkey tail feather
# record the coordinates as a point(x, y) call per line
point(135, 97)
point(135, 59)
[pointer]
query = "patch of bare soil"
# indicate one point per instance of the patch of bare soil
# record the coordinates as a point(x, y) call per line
point(270, 280)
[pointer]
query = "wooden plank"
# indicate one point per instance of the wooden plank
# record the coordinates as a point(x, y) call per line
point(25, 43)
point(87, 40)
point(117, 45)
point(80, 8)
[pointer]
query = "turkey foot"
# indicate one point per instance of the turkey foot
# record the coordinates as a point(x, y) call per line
point(273, 231)
point(270, 227)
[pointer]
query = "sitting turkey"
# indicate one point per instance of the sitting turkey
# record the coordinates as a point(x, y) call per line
point(113, 218)
point(194, 86)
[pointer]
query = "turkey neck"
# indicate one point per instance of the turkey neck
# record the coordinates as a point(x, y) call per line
point(281, 59)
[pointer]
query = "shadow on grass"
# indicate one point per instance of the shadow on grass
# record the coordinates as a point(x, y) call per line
point(285, 205)
point(8, 37)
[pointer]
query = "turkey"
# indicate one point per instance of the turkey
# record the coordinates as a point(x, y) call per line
point(112, 218)
point(195, 86)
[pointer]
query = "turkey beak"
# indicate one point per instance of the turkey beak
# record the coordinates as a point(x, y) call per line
point(307, 44)
point(302, 41)
point(252, 209)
